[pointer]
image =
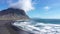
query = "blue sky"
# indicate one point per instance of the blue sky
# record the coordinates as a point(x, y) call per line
point(46, 9)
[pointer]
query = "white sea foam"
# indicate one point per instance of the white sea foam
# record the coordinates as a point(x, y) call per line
point(39, 28)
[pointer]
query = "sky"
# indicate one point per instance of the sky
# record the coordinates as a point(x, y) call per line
point(46, 9)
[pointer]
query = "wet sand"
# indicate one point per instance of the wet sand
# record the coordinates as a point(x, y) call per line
point(5, 28)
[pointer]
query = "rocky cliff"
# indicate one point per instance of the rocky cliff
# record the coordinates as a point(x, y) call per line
point(13, 14)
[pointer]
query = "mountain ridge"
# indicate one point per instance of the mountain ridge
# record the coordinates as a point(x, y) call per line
point(13, 14)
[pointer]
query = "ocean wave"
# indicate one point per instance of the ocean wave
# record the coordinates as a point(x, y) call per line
point(39, 28)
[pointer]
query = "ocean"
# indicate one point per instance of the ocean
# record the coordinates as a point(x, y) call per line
point(40, 26)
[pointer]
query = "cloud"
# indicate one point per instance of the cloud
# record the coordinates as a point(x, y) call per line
point(47, 8)
point(26, 5)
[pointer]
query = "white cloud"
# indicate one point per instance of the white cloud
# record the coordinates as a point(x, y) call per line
point(47, 8)
point(22, 4)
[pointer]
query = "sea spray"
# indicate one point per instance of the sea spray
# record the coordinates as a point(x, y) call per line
point(38, 28)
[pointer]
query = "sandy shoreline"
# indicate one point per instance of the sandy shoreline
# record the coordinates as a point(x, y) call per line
point(5, 28)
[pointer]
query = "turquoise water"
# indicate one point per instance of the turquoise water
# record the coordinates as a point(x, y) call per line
point(52, 21)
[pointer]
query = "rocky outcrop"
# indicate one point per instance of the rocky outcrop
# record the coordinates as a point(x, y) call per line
point(13, 14)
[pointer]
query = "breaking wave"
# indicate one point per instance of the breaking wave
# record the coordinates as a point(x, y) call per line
point(38, 28)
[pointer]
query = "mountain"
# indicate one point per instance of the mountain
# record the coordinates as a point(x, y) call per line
point(6, 18)
point(13, 14)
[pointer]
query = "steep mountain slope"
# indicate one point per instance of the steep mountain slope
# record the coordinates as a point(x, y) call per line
point(13, 14)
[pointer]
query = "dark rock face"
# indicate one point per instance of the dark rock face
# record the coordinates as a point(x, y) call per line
point(7, 16)
point(12, 11)
point(13, 14)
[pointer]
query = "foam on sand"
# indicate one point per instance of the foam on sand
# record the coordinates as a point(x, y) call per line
point(39, 28)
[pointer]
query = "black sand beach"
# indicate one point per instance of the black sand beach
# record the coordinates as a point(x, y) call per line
point(5, 28)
